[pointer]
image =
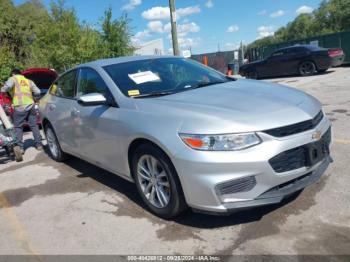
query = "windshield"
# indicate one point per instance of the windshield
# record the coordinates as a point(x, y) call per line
point(162, 76)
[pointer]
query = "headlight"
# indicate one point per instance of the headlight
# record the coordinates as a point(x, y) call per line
point(228, 142)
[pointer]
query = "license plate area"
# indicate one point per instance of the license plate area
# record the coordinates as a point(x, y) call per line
point(317, 151)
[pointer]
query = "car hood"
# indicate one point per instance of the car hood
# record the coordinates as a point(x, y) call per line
point(237, 106)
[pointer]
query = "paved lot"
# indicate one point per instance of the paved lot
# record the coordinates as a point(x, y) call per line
point(76, 208)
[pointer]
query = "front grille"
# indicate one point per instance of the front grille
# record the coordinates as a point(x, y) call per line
point(296, 128)
point(244, 184)
point(301, 156)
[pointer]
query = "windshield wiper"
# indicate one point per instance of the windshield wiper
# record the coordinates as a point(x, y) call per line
point(155, 94)
point(203, 84)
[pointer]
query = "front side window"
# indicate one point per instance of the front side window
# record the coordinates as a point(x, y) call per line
point(154, 76)
point(89, 81)
point(64, 87)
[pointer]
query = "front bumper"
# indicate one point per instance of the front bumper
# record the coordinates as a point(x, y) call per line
point(201, 172)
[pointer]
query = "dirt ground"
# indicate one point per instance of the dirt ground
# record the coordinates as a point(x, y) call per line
point(76, 208)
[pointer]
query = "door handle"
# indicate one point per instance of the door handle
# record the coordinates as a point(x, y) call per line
point(52, 107)
point(75, 113)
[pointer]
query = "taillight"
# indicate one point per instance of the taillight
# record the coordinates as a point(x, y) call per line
point(335, 52)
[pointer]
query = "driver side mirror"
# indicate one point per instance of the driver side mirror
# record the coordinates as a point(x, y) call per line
point(93, 99)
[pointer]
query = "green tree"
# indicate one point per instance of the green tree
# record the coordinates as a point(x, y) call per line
point(331, 16)
point(116, 35)
point(32, 36)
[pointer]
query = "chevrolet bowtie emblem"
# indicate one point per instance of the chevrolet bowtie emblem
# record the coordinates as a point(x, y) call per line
point(316, 135)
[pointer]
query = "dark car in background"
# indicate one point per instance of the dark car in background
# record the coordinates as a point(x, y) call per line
point(304, 60)
point(42, 77)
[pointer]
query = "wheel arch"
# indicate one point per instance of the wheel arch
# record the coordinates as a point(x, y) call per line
point(308, 60)
point(137, 142)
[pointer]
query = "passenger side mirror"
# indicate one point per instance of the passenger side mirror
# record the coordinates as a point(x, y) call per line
point(93, 99)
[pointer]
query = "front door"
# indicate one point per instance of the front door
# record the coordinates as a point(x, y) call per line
point(58, 109)
point(96, 130)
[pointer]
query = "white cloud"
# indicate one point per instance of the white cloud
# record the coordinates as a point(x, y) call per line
point(155, 26)
point(209, 4)
point(262, 12)
point(232, 28)
point(183, 29)
point(162, 13)
point(188, 11)
point(265, 31)
point(277, 14)
point(131, 4)
point(139, 36)
point(304, 10)
point(186, 43)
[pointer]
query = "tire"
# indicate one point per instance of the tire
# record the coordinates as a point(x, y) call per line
point(53, 145)
point(18, 153)
point(160, 190)
point(307, 68)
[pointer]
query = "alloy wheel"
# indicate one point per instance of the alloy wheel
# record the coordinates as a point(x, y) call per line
point(307, 68)
point(154, 181)
point(52, 142)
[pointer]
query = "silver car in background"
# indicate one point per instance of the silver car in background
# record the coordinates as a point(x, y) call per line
point(187, 135)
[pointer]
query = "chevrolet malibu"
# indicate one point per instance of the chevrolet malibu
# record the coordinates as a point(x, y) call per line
point(187, 135)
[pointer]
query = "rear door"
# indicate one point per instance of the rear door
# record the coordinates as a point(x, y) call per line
point(58, 109)
point(97, 127)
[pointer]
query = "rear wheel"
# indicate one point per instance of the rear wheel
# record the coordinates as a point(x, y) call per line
point(307, 68)
point(55, 150)
point(157, 182)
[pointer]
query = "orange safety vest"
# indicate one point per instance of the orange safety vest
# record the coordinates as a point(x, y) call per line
point(21, 93)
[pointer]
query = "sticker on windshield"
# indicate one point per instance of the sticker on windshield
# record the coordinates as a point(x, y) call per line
point(134, 92)
point(143, 77)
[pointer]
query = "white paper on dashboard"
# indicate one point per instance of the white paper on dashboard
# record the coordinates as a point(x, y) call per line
point(143, 77)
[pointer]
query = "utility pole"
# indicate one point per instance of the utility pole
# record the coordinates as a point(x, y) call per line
point(173, 27)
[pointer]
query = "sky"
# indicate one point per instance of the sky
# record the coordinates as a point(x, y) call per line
point(203, 25)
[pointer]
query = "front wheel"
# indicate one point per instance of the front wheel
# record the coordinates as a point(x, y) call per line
point(307, 68)
point(55, 150)
point(157, 182)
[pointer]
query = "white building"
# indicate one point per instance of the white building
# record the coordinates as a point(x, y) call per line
point(154, 47)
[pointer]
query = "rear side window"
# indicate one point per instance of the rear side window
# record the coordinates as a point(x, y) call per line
point(64, 86)
point(295, 50)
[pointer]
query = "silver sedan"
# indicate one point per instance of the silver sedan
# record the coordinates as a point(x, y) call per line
point(187, 135)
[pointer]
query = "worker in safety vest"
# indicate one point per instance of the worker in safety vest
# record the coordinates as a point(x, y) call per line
point(21, 90)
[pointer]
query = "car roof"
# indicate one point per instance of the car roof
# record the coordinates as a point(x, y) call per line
point(296, 46)
point(124, 59)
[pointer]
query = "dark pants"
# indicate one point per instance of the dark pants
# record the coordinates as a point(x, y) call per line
point(22, 117)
